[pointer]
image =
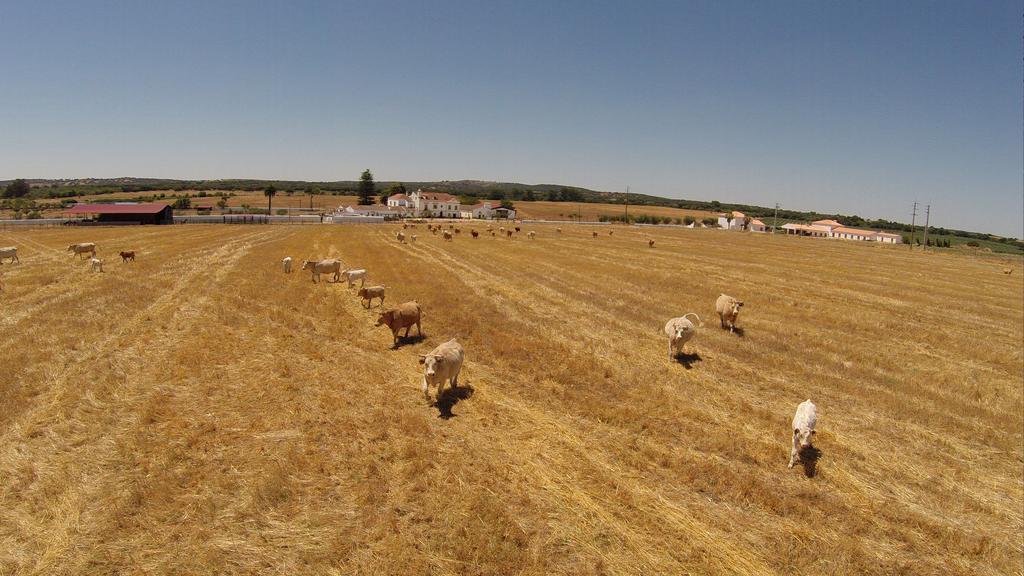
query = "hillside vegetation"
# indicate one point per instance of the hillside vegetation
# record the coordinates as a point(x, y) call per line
point(201, 412)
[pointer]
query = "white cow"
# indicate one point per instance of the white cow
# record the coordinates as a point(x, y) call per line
point(804, 420)
point(286, 263)
point(318, 267)
point(680, 331)
point(441, 364)
point(353, 275)
point(97, 264)
point(9, 252)
point(83, 248)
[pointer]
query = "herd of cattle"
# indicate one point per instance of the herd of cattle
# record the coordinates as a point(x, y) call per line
point(443, 364)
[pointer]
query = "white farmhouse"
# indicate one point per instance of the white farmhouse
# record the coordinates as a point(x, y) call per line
point(733, 221)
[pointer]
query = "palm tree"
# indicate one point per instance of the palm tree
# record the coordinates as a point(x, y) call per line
point(270, 192)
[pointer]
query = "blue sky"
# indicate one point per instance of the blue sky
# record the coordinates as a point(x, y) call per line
point(852, 107)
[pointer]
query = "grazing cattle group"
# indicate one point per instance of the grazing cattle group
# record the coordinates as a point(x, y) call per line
point(443, 364)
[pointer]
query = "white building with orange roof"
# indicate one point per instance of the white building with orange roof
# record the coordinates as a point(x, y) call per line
point(834, 229)
point(732, 221)
point(436, 204)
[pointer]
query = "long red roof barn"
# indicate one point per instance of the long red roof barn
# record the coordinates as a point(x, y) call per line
point(143, 213)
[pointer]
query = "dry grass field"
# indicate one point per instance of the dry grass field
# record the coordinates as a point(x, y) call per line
point(200, 412)
point(591, 212)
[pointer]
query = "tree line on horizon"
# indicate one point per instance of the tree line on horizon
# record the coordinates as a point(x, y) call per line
point(370, 191)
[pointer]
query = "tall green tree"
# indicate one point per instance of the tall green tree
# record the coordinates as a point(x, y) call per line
point(367, 190)
point(270, 192)
point(17, 189)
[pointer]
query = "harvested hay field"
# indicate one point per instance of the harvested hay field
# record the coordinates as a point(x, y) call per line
point(199, 411)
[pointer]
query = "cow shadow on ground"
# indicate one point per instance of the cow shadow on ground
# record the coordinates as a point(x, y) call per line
point(407, 340)
point(809, 459)
point(450, 397)
point(736, 330)
point(687, 360)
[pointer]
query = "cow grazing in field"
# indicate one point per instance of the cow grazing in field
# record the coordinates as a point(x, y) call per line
point(404, 225)
point(559, 230)
point(83, 249)
point(517, 228)
point(318, 267)
point(1007, 271)
point(355, 274)
point(458, 230)
point(595, 234)
point(440, 365)
point(447, 235)
point(404, 315)
point(401, 236)
point(371, 292)
point(650, 243)
point(680, 331)
point(9, 252)
point(804, 420)
point(611, 232)
point(531, 234)
point(97, 264)
point(509, 232)
point(493, 234)
point(128, 256)
point(474, 233)
point(286, 264)
point(413, 238)
point(728, 309)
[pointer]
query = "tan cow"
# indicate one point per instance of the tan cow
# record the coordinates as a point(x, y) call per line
point(404, 315)
point(371, 292)
point(804, 421)
point(531, 234)
point(9, 252)
point(318, 267)
point(82, 249)
point(97, 264)
point(728, 309)
point(680, 331)
point(442, 364)
point(401, 237)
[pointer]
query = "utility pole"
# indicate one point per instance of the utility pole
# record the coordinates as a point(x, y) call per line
point(775, 223)
point(627, 205)
point(913, 221)
point(927, 215)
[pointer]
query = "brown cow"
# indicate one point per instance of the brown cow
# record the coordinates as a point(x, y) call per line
point(371, 292)
point(127, 256)
point(474, 233)
point(402, 316)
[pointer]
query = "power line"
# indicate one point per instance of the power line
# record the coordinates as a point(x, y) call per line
point(927, 214)
point(913, 222)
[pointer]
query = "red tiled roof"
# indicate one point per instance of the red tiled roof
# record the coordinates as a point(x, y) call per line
point(117, 209)
point(842, 230)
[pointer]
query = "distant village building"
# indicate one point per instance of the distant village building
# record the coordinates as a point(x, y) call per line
point(735, 222)
point(834, 229)
point(757, 226)
point(443, 205)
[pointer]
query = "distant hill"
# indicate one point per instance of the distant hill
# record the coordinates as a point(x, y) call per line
point(66, 188)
